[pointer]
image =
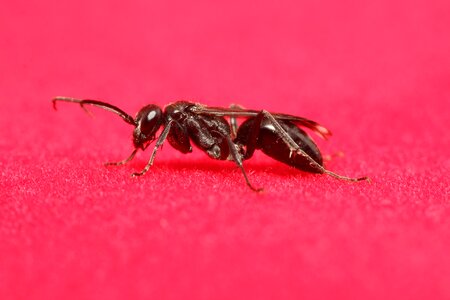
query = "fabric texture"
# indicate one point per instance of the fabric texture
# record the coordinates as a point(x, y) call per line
point(375, 73)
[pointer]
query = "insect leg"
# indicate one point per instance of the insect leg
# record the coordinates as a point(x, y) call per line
point(253, 138)
point(122, 162)
point(238, 160)
point(295, 149)
point(158, 144)
point(233, 120)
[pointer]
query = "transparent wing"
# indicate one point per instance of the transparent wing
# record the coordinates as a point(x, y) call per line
point(320, 130)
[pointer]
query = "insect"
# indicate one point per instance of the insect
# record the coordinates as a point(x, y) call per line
point(185, 123)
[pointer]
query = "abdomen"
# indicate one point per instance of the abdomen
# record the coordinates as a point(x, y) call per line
point(270, 142)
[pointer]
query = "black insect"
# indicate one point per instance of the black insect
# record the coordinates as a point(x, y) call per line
point(277, 135)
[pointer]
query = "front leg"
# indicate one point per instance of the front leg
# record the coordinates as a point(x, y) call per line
point(158, 144)
point(122, 162)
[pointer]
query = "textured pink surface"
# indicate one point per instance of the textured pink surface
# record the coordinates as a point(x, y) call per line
point(376, 73)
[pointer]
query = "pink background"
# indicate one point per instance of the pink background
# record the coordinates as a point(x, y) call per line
point(377, 73)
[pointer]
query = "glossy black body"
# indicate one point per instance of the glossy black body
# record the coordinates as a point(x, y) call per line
point(209, 132)
point(215, 131)
point(205, 131)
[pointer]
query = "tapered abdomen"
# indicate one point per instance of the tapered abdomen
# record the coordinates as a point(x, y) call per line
point(270, 142)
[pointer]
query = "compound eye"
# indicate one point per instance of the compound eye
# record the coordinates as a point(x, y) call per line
point(149, 119)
